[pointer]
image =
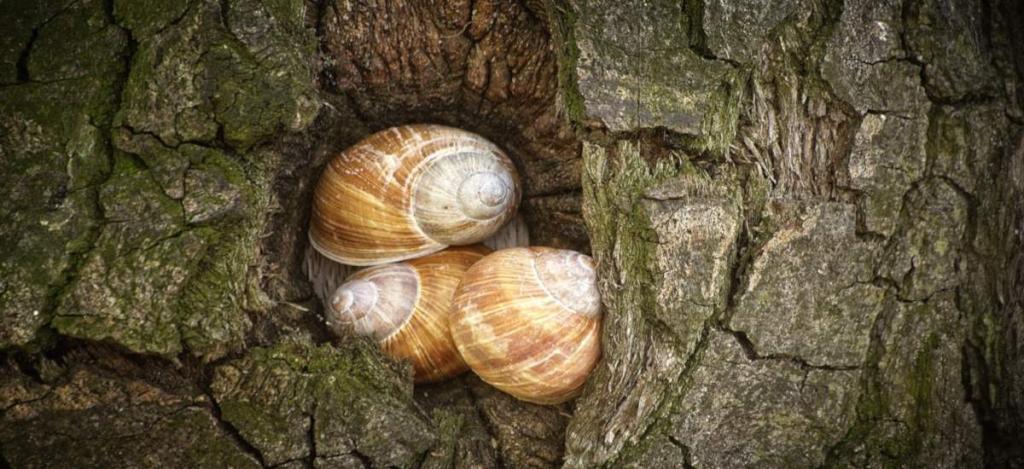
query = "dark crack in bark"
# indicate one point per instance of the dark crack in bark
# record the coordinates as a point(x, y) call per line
point(231, 431)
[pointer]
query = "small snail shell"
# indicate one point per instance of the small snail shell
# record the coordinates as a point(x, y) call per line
point(410, 191)
point(406, 307)
point(528, 321)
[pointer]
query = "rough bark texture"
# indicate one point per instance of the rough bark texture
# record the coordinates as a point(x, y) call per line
point(807, 216)
point(808, 220)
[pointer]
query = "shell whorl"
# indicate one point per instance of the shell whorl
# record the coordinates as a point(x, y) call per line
point(570, 279)
point(409, 191)
point(528, 321)
point(354, 301)
point(407, 308)
point(465, 192)
point(484, 195)
point(375, 302)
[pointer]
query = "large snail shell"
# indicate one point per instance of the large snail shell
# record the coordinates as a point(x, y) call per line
point(406, 307)
point(410, 191)
point(528, 321)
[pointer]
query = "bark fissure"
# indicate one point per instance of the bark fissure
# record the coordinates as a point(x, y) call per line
point(492, 431)
point(687, 462)
point(311, 436)
point(77, 258)
point(750, 350)
point(939, 238)
point(22, 64)
point(231, 431)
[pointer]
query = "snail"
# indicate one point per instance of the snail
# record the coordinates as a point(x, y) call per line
point(409, 191)
point(528, 322)
point(406, 307)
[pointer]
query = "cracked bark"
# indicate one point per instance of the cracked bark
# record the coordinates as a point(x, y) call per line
point(228, 429)
point(739, 145)
point(797, 136)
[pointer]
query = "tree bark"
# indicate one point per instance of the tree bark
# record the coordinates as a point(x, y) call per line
point(807, 217)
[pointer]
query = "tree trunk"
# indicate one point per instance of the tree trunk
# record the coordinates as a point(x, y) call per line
point(807, 217)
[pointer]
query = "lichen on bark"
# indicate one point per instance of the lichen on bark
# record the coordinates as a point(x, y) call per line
point(320, 404)
point(167, 206)
point(845, 156)
point(110, 411)
point(55, 153)
point(805, 215)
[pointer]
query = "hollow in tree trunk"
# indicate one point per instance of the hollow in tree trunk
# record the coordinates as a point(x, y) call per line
point(807, 217)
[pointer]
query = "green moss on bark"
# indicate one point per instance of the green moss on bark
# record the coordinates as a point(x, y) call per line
point(296, 401)
point(54, 152)
point(562, 18)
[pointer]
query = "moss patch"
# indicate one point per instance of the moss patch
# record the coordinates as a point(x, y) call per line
point(294, 401)
point(54, 152)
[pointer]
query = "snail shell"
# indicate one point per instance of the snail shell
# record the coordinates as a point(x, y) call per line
point(406, 307)
point(409, 191)
point(528, 321)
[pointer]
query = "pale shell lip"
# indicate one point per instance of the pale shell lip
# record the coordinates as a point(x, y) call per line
point(377, 260)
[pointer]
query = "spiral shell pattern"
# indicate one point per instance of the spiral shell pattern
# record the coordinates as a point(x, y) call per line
point(409, 191)
point(528, 321)
point(407, 307)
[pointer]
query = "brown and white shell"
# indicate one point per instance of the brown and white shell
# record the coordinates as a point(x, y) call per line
point(409, 191)
point(406, 307)
point(528, 321)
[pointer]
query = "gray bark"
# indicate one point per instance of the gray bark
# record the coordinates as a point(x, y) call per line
point(807, 217)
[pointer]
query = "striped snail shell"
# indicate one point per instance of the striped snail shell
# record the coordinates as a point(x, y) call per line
point(406, 307)
point(409, 191)
point(528, 321)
